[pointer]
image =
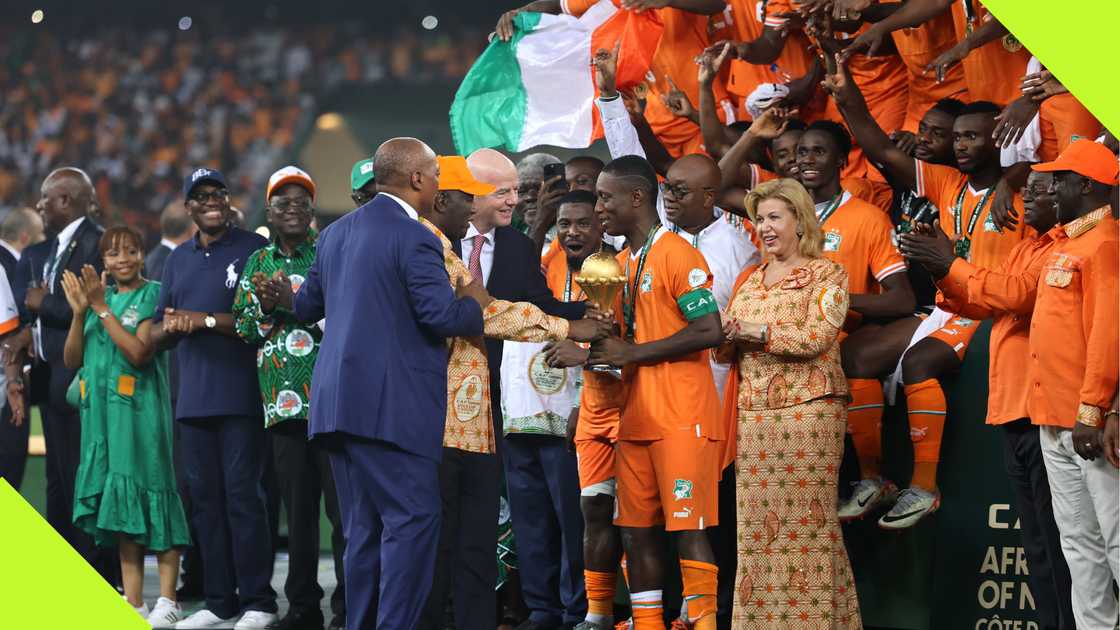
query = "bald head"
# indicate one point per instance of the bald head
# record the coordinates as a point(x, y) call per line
point(67, 195)
point(21, 227)
point(407, 168)
point(496, 209)
point(175, 223)
point(694, 181)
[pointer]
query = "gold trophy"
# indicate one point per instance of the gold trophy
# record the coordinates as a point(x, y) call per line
point(601, 278)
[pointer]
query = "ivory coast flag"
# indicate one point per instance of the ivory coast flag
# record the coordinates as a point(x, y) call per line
point(539, 87)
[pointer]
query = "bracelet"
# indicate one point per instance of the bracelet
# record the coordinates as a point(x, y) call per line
point(1089, 415)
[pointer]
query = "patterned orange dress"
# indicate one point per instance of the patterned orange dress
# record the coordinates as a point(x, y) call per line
point(790, 415)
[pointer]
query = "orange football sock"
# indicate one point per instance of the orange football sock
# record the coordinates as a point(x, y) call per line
point(646, 609)
point(865, 421)
point(700, 580)
point(600, 596)
point(926, 407)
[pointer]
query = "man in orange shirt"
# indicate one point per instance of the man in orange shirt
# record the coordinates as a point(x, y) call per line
point(963, 196)
point(1007, 295)
point(764, 49)
point(1074, 365)
point(670, 433)
point(593, 426)
point(991, 57)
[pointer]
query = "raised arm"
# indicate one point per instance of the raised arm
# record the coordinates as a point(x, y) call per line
point(875, 142)
point(718, 138)
point(138, 348)
point(912, 13)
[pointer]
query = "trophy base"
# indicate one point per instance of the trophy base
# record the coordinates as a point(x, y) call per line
point(605, 368)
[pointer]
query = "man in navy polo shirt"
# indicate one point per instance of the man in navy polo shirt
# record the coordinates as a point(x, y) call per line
point(219, 409)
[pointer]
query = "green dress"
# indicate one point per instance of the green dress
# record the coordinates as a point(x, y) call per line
point(126, 478)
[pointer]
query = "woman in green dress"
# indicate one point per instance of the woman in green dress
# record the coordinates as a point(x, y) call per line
point(125, 490)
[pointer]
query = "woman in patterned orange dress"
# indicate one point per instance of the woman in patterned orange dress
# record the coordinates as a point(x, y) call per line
point(791, 413)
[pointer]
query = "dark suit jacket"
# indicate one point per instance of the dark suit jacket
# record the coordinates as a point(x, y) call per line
point(8, 262)
point(379, 279)
point(153, 262)
point(515, 275)
point(54, 312)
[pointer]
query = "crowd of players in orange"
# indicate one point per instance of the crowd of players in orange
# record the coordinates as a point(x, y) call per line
point(897, 118)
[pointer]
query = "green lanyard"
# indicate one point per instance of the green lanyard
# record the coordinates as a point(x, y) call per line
point(830, 210)
point(963, 248)
point(568, 290)
point(630, 290)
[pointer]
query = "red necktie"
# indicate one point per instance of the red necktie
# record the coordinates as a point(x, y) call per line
point(474, 265)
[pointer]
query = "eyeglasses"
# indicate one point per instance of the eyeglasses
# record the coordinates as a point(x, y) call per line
point(678, 191)
point(203, 197)
point(282, 206)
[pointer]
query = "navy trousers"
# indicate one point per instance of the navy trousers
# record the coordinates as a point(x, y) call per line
point(390, 504)
point(543, 484)
point(223, 458)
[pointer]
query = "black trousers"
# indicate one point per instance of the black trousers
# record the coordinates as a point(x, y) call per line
point(304, 474)
point(191, 557)
point(466, 562)
point(13, 448)
point(1049, 575)
point(725, 547)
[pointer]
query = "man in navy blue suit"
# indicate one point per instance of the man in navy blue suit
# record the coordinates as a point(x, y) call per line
point(380, 384)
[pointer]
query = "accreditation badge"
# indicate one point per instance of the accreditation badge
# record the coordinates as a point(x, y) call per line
point(468, 399)
point(832, 241)
point(963, 247)
point(546, 380)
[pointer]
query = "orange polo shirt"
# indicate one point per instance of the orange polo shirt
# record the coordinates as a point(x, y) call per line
point(1074, 340)
point(993, 71)
point(685, 36)
point(1061, 120)
point(918, 47)
point(1006, 295)
point(943, 185)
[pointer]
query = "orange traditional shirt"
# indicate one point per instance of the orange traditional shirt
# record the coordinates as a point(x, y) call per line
point(469, 426)
point(1006, 295)
point(1074, 340)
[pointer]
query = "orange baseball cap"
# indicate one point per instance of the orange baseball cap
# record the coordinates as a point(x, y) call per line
point(289, 175)
point(455, 175)
point(1086, 158)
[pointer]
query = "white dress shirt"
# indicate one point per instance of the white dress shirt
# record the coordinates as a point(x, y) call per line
point(408, 209)
point(487, 259)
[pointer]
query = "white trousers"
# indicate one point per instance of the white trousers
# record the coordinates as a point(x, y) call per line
point(1086, 498)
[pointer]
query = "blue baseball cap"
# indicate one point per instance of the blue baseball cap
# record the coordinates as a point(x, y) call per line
point(200, 176)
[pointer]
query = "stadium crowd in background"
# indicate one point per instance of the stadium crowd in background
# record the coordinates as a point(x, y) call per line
point(811, 206)
point(134, 108)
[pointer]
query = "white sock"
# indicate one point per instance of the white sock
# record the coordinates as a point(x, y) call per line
point(601, 620)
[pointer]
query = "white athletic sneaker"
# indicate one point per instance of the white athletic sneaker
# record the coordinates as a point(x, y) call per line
point(867, 496)
point(203, 619)
point(165, 614)
point(141, 610)
point(913, 505)
point(255, 620)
